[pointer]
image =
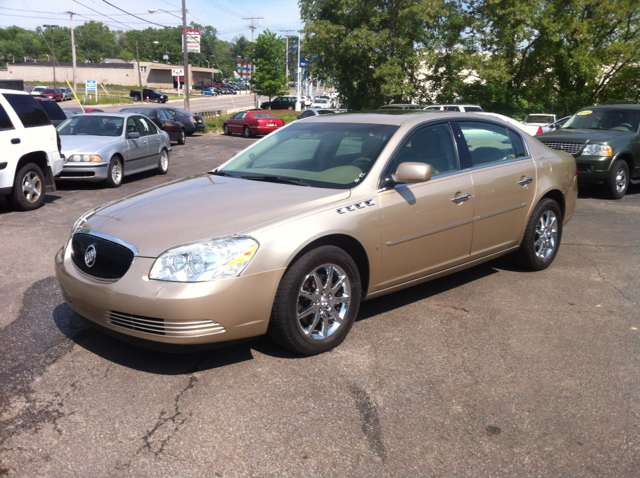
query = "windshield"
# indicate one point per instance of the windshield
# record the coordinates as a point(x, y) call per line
point(320, 101)
point(545, 119)
point(607, 119)
point(93, 125)
point(324, 155)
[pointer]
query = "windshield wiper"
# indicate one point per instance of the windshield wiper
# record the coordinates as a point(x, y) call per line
point(215, 172)
point(276, 179)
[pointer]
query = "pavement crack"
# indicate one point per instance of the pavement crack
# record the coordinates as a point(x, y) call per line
point(604, 279)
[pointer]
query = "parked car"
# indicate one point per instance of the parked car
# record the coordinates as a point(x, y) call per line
point(280, 103)
point(192, 123)
point(67, 93)
point(606, 144)
point(319, 112)
point(31, 154)
point(321, 103)
point(401, 106)
point(290, 235)
point(461, 108)
point(78, 111)
point(554, 126)
point(53, 93)
point(37, 90)
point(150, 94)
point(210, 91)
point(539, 119)
point(51, 107)
point(527, 128)
point(163, 120)
point(251, 123)
point(108, 146)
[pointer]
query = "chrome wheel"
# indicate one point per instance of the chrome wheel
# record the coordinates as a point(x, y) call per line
point(621, 180)
point(163, 163)
point(546, 235)
point(31, 187)
point(323, 301)
point(116, 172)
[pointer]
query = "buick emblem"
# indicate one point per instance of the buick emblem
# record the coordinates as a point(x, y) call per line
point(90, 256)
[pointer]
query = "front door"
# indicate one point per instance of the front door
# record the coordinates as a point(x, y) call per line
point(138, 147)
point(426, 227)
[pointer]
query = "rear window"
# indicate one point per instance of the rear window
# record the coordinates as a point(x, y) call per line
point(53, 111)
point(263, 115)
point(28, 110)
point(473, 108)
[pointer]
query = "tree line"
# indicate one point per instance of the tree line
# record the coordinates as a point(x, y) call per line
point(509, 56)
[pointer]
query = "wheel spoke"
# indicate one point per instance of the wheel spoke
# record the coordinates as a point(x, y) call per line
point(307, 311)
point(338, 284)
point(334, 314)
point(313, 325)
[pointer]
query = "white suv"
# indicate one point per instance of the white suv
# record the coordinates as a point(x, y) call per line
point(31, 151)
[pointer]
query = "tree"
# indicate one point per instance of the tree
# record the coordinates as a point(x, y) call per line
point(372, 49)
point(94, 42)
point(269, 78)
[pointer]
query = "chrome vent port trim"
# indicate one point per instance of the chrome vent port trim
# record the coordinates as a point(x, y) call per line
point(571, 148)
point(167, 328)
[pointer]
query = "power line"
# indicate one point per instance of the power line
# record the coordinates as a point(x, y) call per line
point(103, 14)
point(135, 16)
point(253, 25)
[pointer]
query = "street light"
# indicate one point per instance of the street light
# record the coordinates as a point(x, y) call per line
point(185, 50)
point(53, 51)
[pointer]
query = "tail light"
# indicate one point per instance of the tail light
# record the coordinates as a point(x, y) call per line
point(539, 130)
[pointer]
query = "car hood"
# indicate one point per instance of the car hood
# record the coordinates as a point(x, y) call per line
point(203, 207)
point(85, 143)
point(583, 136)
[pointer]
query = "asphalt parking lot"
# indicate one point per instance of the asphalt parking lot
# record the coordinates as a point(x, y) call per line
point(489, 372)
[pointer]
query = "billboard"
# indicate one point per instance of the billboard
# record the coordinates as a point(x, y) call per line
point(193, 41)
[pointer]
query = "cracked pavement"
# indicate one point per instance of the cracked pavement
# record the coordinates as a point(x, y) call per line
point(489, 372)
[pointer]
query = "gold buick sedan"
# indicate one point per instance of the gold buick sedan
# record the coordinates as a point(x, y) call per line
point(290, 235)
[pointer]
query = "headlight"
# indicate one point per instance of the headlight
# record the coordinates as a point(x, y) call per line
point(597, 150)
point(205, 261)
point(85, 158)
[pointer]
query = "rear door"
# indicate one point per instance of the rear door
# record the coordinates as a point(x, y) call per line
point(504, 185)
point(150, 133)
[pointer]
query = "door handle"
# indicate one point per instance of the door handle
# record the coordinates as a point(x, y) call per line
point(524, 181)
point(15, 141)
point(461, 198)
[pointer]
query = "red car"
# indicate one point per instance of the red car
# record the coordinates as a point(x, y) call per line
point(53, 93)
point(78, 111)
point(249, 123)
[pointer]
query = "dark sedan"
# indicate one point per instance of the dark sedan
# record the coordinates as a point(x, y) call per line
point(192, 123)
point(163, 120)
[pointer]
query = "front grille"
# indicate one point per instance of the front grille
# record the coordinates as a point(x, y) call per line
point(167, 328)
point(112, 260)
point(571, 148)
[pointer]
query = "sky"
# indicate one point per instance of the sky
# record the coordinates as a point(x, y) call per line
point(225, 15)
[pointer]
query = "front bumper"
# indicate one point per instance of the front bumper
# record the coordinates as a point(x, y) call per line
point(170, 312)
point(94, 172)
point(593, 169)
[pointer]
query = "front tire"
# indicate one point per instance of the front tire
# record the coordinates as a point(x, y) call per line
point(163, 162)
point(115, 173)
point(317, 302)
point(542, 237)
point(226, 130)
point(28, 188)
point(618, 181)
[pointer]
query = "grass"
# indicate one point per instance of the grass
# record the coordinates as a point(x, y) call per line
point(216, 125)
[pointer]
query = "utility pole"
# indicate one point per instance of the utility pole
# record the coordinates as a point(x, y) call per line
point(253, 25)
point(139, 74)
point(298, 105)
point(73, 52)
point(53, 52)
point(185, 55)
point(286, 55)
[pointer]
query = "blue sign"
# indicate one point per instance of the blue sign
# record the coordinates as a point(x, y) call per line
point(91, 85)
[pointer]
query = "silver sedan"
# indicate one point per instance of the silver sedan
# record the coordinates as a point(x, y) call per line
point(107, 147)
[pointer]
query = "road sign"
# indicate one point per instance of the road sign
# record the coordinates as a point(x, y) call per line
point(91, 85)
point(177, 72)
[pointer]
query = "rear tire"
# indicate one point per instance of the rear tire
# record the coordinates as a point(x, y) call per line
point(618, 181)
point(542, 237)
point(183, 137)
point(115, 173)
point(246, 132)
point(163, 162)
point(28, 188)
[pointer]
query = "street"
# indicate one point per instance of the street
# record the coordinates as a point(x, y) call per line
point(489, 372)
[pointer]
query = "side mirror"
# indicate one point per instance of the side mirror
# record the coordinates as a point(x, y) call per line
point(412, 173)
point(133, 135)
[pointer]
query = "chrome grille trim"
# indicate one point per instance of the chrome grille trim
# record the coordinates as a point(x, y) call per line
point(167, 328)
point(571, 148)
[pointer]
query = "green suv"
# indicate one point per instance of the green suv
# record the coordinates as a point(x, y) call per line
point(606, 144)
